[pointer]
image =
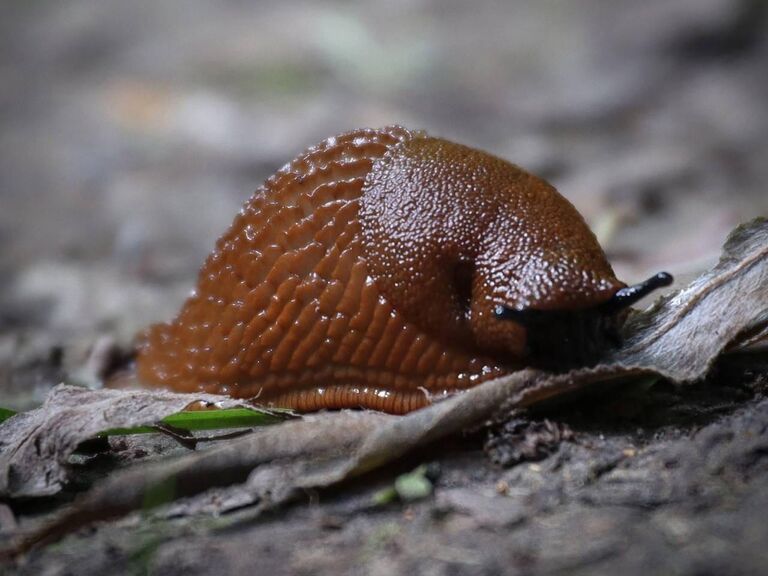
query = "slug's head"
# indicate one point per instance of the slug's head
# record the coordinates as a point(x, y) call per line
point(566, 338)
point(489, 258)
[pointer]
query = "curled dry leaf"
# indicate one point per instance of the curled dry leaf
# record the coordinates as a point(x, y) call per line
point(683, 334)
point(679, 338)
point(35, 445)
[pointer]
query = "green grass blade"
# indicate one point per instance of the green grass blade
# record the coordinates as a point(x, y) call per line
point(206, 420)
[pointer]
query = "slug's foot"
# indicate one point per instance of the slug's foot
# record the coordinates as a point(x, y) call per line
point(341, 396)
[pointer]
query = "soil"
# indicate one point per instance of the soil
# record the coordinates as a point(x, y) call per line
point(130, 133)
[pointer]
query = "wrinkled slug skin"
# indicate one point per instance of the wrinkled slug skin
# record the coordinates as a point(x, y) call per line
point(364, 274)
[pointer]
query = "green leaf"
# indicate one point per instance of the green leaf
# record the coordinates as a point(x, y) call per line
point(413, 486)
point(206, 420)
point(6, 413)
point(385, 496)
point(408, 487)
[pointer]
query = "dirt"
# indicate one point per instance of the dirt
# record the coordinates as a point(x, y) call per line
point(676, 485)
point(130, 133)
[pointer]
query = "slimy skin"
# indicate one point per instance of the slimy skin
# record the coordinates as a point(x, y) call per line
point(382, 269)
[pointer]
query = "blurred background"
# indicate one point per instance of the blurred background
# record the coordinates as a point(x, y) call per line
point(131, 132)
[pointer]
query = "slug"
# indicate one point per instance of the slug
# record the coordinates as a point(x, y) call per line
point(384, 268)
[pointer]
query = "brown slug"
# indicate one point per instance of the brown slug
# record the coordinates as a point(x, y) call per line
point(383, 267)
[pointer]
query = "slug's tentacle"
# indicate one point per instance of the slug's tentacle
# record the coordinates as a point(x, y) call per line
point(625, 297)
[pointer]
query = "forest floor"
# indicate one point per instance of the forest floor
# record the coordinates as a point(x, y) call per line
point(130, 135)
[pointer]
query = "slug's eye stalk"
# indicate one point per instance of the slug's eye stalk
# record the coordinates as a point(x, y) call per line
point(563, 339)
point(625, 297)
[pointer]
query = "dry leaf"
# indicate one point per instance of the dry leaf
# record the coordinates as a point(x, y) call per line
point(35, 445)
